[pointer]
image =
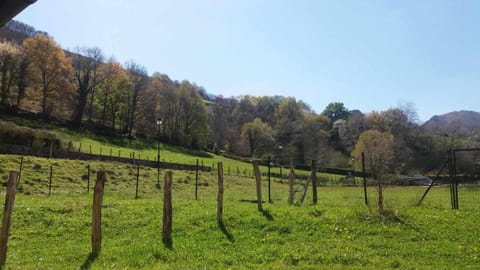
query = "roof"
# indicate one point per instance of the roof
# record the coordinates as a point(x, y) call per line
point(10, 8)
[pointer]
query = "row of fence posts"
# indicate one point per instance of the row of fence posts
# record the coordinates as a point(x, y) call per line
point(96, 238)
point(197, 168)
point(313, 178)
point(167, 203)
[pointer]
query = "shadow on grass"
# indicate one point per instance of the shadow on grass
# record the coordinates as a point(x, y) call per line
point(88, 262)
point(226, 232)
point(267, 215)
point(168, 243)
point(250, 201)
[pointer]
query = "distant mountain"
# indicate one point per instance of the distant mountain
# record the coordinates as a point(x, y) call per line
point(16, 31)
point(461, 122)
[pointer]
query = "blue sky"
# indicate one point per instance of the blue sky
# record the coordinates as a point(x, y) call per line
point(370, 55)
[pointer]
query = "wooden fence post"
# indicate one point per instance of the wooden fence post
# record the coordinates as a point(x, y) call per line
point(138, 175)
point(269, 186)
point(50, 153)
point(220, 194)
point(167, 208)
point(88, 178)
point(291, 179)
point(258, 177)
point(20, 170)
point(50, 181)
point(196, 180)
point(7, 215)
point(314, 181)
point(97, 213)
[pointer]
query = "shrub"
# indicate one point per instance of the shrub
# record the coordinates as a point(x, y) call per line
point(13, 134)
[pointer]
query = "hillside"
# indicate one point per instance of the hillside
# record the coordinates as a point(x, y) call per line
point(462, 122)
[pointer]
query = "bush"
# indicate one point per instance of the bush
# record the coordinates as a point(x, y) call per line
point(13, 134)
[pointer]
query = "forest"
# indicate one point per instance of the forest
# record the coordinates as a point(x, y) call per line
point(84, 89)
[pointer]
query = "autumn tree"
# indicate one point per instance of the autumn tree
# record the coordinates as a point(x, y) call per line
point(111, 92)
point(170, 112)
point(224, 134)
point(53, 71)
point(378, 149)
point(86, 62)
point(349, 130)
point(138, 83)
point(22, 76)
point(9, 53)
point(314, 133)
point(245, 111)
point(288, 118)
point(150, 108)
point(258, 136)
point(194, 116)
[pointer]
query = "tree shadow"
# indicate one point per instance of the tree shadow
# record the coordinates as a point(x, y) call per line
point(226, 232)
point(168, 243)
point(267, 215)
point(88, 262)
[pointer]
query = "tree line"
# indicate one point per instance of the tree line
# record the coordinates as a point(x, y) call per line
point(84, 89)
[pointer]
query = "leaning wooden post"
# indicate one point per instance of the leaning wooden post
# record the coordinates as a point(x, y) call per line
point(291, 179)
point(7, 215)
point(167, 208)
point(97, 213)
point(258, 177)
point(314, 181)
point(220, 193)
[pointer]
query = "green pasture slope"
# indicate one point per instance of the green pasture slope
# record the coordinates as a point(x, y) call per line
point(86, 142)
point(340, 232)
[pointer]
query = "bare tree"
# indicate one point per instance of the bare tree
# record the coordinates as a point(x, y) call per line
point(86, 63)
point(378, 149)
point(138, 84)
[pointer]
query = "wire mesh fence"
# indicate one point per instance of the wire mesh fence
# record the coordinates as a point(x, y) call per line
point(466, 175)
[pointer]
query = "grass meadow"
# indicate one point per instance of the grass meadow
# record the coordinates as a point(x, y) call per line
point(340, 232)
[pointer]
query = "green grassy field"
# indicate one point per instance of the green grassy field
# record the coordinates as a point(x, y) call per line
point(340, 232)
point(90, 143)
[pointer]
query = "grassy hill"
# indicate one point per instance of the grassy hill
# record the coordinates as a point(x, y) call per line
point(340, 232)
point(88, 142)
point(53, 232)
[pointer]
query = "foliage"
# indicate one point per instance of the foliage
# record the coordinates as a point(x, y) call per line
point(336, 111)
point(9, 53)
point(86, 63)
point(82, 90)
point(53, 70)
point(13, 134)
point(259, 137)
point(378, 150)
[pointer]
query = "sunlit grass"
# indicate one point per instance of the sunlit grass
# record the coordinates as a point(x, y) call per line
point(339, 232)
